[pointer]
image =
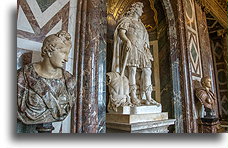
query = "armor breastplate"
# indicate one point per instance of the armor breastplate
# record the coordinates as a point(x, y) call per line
point(135, 34)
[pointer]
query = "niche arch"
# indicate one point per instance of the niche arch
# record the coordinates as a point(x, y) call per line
point(114, 10)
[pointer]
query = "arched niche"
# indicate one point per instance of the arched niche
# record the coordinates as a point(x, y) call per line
point(158, 18)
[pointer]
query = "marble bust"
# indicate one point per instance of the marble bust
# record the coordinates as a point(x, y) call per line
point(45, 91)
point(206, 96)
point(131, 50)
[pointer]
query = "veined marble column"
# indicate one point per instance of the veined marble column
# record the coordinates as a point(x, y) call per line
point(89, 113)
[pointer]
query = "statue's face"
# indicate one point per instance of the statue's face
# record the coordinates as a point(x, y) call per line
point(108, 79)
point(59, 56)
point(207, 83)
point(139, 11)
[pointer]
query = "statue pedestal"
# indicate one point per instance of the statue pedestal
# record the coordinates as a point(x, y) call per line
point(45, 128)
point(145, 120)
point(223, 127)
point(209, 125)
point(138, 109)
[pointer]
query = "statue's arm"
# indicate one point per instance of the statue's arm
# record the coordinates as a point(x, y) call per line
point(124, 38)
point(147, 49)
point(146, 45)
point(22, 90)
point(122, 34)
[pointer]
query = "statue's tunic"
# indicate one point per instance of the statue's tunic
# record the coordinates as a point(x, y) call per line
point(139, 56)
point(42, 100)
point(207, 98)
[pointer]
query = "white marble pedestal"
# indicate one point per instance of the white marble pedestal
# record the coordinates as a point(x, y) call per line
point(138, 110)
point(143, 119)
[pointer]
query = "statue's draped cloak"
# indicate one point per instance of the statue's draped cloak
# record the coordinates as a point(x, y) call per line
point(43, 100)
point(203, 95)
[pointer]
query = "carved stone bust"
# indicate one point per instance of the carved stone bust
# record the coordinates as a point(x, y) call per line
point(206, 96)
point(45, 91)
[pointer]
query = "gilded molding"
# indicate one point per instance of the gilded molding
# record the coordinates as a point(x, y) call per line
point(155, 11)
point(217, 8)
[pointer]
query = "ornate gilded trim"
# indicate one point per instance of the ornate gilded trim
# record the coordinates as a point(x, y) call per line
point(217, 8)
point(155, 12)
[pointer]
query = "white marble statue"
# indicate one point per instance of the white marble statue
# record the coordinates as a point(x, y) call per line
point(118, 90)
point(132, 50)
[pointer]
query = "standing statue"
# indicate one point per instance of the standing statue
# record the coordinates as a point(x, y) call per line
point(132, 50)
point(206, 96)
point(45, 91)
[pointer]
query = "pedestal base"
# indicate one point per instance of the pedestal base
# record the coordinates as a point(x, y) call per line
point(45, 128)
point(138, 123)
point(209, 125)
point(223, 127)
point(138, 109)
point(135, 118)
point(141, 127)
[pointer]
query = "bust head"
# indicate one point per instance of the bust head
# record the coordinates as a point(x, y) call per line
point(206, 82)
point(56, 47)
point(136, 8)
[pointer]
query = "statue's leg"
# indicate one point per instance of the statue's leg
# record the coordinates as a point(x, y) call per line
point(132, 83)
point(147, 85)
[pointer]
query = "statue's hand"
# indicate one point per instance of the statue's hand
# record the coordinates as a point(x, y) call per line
point(208, 100)
point(146, 47)
point(128, 45)
point(148, 53)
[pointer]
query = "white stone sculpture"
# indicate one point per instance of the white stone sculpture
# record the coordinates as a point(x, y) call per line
point(131, 50)
point(118, 90)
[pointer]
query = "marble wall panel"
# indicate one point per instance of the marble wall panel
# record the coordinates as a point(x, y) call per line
point(164, 62)
point(207, 61)
point(102, 69)
point(205, 47)
point(177, 93)
point(193, 39)
point(180, 69)
point(102, 88)
point(89, 112)
point(191, 60)
point(220, 65)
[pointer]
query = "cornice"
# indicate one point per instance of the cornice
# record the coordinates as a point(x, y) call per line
point(217, 8)
point(223, 3)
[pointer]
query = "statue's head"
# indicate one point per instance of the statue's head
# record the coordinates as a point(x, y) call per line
point(206, 82)
point(56, 47)
point(135, 8)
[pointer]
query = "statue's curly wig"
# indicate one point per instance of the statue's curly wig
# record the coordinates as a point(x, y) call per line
point(133, 7)
point(51, 41)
